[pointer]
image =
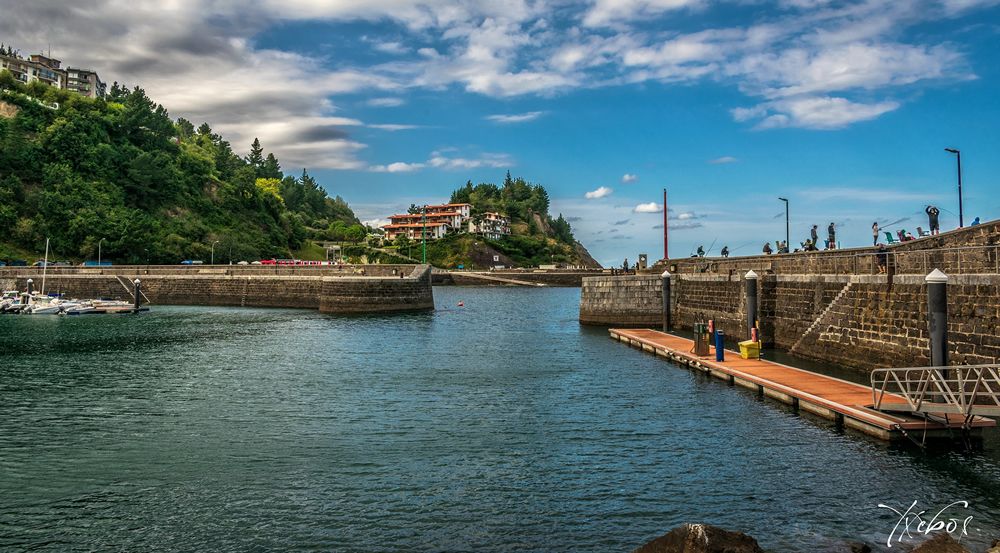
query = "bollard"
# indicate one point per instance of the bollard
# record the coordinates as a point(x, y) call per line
point(27, 299)
point(720, 346)
point(937, 318)
point(751, 279)
point(138, 292)
point(666, 300)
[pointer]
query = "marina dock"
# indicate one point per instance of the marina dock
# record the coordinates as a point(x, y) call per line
point(849, 404)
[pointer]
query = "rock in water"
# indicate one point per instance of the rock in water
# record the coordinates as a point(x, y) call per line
point(701, 538)
point(941, 543)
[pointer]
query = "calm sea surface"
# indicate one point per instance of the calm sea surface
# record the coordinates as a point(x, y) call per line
point(499, 426)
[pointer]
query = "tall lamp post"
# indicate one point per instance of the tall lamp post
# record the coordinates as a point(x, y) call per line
point(99, 242)
point(213, 252)
point(958, 156)
point(786, 222)
point(423, 234)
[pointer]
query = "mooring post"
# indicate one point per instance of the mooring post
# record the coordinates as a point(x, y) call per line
point(27, 299)
point(665, 280)
point(751, 280)
point(138, 292)
point(720, 346)
point(937, 318)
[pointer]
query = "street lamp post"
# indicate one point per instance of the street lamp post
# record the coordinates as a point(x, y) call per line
point(99, 242)
point(786, 222)
point(213, 252)
point(958, 156)
point(424, 234)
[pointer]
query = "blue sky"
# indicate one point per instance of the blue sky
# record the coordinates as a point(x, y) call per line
point(843, 107)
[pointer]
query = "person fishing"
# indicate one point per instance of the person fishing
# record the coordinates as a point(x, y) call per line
point(767, 248)
point(725, 251)
point(875, 230)
point(932, 219)
point(814, 233)
point(831, 232)
point(701, 251)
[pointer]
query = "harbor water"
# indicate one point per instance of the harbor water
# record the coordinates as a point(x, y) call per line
point(502, 425)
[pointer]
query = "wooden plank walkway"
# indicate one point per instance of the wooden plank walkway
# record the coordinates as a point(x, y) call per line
point(847, 403)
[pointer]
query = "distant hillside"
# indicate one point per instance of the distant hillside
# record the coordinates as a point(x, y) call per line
point(119, 173)
point(536, 237)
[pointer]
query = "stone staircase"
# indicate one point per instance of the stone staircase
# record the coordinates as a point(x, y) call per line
point(819, 321)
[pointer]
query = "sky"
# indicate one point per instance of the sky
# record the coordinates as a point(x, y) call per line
point(843, 107)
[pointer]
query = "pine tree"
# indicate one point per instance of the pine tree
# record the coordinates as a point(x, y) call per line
point(271, 168)
point(255, 158)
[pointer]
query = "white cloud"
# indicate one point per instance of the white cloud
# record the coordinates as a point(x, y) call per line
point(629, 177)
point(822, 113)
point(651, 207)
point(601, 192)
point(515, 118)
point(605, 12)
point(441, 161)
point(391, 48)
point(391, 127)
point(723, 160)
point(376, 223)
point(385, 102)
point(397, 167)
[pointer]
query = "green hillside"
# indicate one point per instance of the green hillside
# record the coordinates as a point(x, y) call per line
point(121, 173)
point(536, 237)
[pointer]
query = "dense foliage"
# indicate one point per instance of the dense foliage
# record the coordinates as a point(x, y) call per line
point(120, 173)
point(536, 238)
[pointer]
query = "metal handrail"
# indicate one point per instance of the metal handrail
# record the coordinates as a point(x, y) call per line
point(950, 260)
point(966, 390)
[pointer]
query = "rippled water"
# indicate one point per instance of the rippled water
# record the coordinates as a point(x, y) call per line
point(499, 426)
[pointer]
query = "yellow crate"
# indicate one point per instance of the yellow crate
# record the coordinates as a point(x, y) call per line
point(750, 349)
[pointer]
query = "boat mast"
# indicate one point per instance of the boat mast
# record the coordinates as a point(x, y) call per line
point(45, 265)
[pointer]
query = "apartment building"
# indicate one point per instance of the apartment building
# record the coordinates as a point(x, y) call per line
point(444, 218)
point(38, 67)
point(85, 82)
point(493, 226)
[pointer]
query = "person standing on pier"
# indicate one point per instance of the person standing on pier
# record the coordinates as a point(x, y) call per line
point(875, 230)
point(831, 232)
point(932, 219)
point(814, 233)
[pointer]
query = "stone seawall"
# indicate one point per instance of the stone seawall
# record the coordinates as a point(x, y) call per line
point(970, 250)
point(622, 301)
point(859, 321)
point(348, 293)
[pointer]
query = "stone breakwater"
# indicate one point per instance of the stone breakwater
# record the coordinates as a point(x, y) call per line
point(848, 317)
point(346, 289)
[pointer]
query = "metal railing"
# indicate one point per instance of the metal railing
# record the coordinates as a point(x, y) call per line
point(965, 390)
point(958, 260)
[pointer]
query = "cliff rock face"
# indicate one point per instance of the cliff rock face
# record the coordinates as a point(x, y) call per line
point(586, 259)
point(701, 538)
point(8, 110)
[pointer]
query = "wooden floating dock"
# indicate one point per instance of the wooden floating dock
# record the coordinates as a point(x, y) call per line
point(846, 403)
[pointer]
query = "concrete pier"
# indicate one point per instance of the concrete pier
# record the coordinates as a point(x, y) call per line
point(330, 289)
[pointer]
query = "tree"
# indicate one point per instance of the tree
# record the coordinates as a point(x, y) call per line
point(414, 209)
point(271, 168)
point(255, 158)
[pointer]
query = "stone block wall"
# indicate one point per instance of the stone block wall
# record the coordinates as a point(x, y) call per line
point(371, 294)
point(722, 298)
point(878, 324)
point(622, 301)
point(410, 289)
point(859, 321)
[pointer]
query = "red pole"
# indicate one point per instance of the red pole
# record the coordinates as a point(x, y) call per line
point(666, 241)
